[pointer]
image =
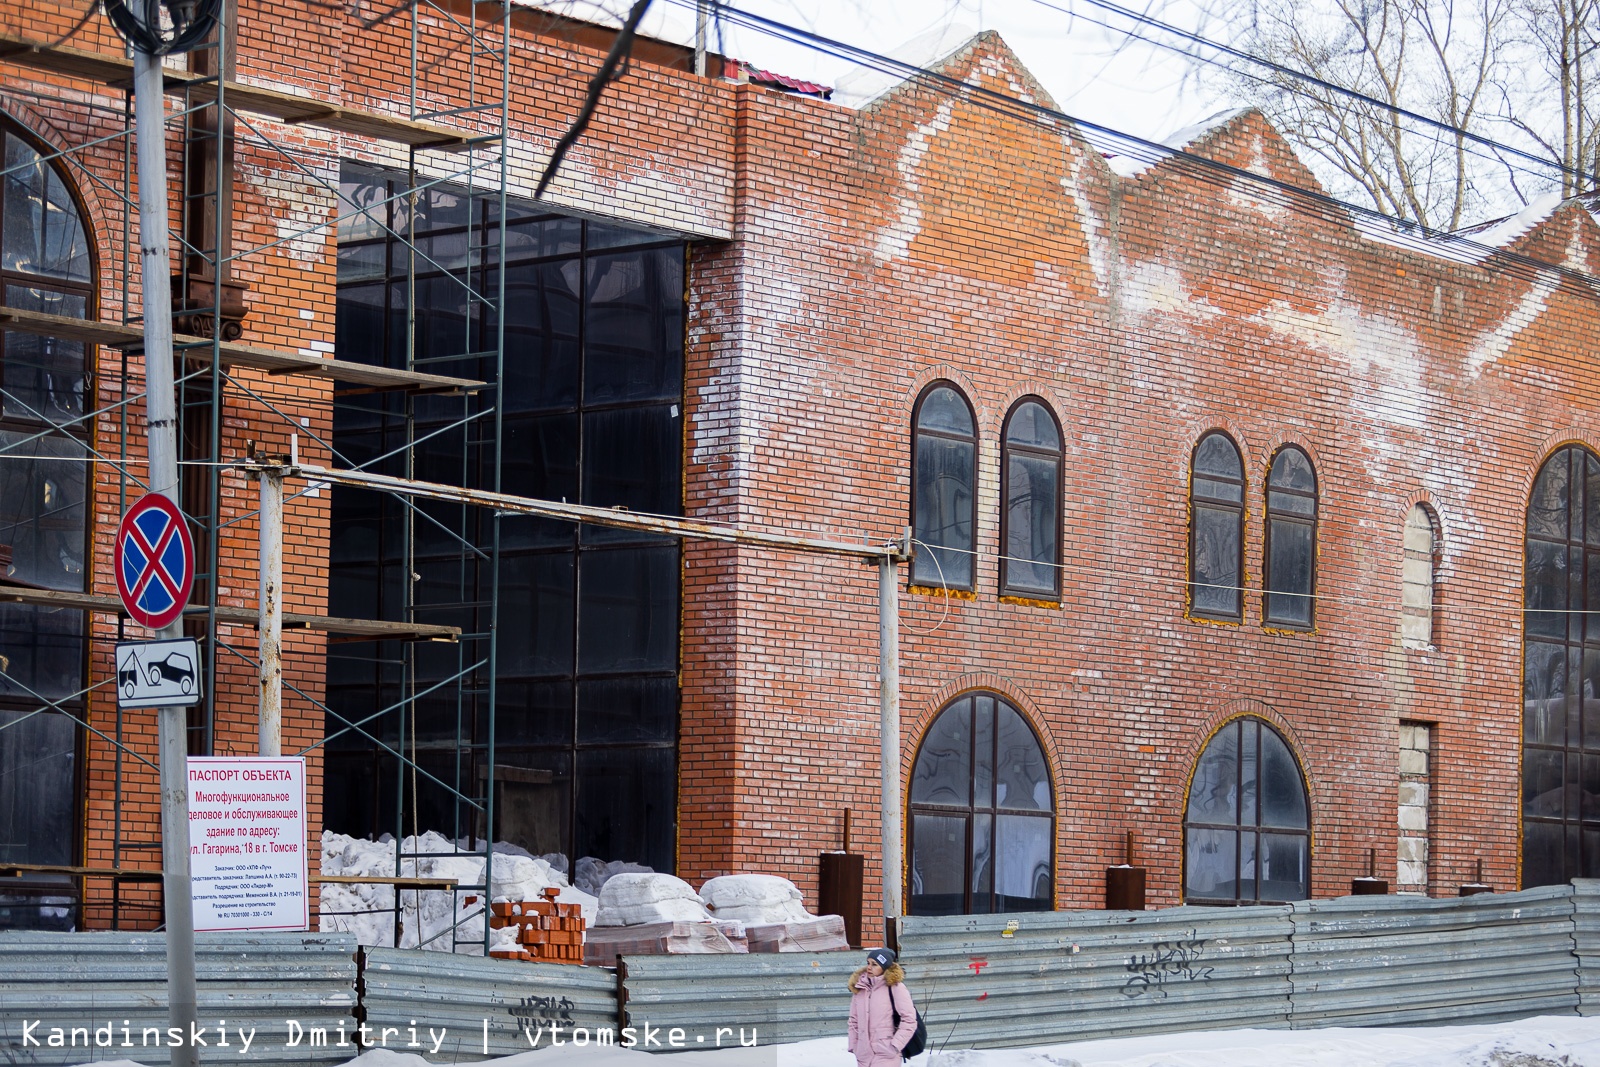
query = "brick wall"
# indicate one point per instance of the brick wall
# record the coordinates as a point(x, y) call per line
point(851, 258)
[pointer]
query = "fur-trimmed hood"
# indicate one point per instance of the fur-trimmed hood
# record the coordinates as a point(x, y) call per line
point(892, 975)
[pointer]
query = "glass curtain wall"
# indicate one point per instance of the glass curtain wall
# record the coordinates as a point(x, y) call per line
point(45, 266)
point(587, 705)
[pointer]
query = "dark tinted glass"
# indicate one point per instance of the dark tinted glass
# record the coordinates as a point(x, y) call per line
point(1216, 456)
point(627, 805)
point(1546, 588)
point(1022, 863)
point(943, 772)
point(1021, 779)
point(42, 232)
point(631, 458)
point(1246, 780)
point(44, 376)
point(1290, 550)
point(627, 709)
point(542, 335)
point(539, 459)
point(1031, 425)
point(1544, 693)
point(531, 713)
point(628, 609)
point(943, 410)
point(1547, 504)
point(1215, 562)
point(536, 615)
point(945, 472)
point(37, 757)
point(1033, 485)
point(634, 326)
point(938, 864)
point(1006, 863)
point(42, 516)
point(1291, 469)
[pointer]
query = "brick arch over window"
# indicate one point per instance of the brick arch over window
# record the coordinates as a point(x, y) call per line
point(47, 265)
point(1246, 823)
point(982, 812)
point(944, 488)
point(1561, 683)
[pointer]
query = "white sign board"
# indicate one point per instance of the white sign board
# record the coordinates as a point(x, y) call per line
point(247, 842)
point(158, 674)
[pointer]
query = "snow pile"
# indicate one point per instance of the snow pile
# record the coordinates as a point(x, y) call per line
point(594, 873)
point(633, 898)
point(755, 899)
point(427, 917)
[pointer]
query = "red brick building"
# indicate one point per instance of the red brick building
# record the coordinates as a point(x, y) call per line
point(1223, 489)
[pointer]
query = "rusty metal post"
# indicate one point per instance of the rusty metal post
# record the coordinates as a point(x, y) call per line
point(271, 608)
point(889, 736)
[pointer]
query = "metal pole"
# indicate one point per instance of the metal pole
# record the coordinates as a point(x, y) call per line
point(702, 14)
point(271, 607)
point(889, 735)
point(149, 103)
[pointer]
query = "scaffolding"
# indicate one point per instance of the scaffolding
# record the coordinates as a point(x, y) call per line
point(460, 52)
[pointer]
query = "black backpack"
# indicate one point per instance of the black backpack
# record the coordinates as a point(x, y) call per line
point(919, 1040)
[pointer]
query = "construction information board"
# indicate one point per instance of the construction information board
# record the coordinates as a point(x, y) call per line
point(247, 842)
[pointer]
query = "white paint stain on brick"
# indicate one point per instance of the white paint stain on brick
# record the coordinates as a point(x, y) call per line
point(1380, 351)
point(1251, 195)
point(1153, 287)
point(1492, 346)
point(1099, 248)
point(894, 239)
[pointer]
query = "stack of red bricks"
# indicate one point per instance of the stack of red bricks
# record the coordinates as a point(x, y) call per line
point(546, 931)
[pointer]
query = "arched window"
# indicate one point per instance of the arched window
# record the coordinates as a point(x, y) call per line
point(982, 813)
point(1418, 579)
point(1561, 673)
point(944, 477)
point(45, 266)
point(1030, 514)
point(1216, 529)
point(1247, 838)
point(1291, 542)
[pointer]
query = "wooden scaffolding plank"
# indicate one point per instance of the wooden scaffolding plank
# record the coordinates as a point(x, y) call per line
point(273, 103)
point(198, 349)
point(336, 629)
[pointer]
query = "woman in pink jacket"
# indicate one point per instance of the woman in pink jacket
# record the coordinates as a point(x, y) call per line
point(877, 991)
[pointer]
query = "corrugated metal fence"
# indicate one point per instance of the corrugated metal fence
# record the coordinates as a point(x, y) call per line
point(107, 994)
point(983, 981)
point(469, 1006)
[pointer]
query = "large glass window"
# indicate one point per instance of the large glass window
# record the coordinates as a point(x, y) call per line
point(1030, 512)
point(1216, 529)
point(1291, 542)
point(982, 813)
point(944, 477)
point(1247, 834)
point(591, 400)
point(45, 266)
point(1561, 673)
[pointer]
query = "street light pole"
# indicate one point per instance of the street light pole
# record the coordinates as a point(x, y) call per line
point(149, 101)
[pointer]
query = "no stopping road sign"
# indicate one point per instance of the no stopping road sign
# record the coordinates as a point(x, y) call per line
point(155, 561)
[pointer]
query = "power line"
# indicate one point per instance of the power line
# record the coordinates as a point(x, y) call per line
point(1436, 242)
point(1140, 18)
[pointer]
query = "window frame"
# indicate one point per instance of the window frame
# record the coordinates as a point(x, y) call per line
point(1196, 502)
point(1239, 827)
point(966, 703)
point(80, 431)
point(1058, 457)
point(1579, 643)
point(1273, 516)
point(914, 579)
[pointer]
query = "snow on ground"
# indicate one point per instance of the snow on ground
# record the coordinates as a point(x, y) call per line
point(1548, 1041)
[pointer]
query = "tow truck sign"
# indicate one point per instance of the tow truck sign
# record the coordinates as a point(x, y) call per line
point(158, 674)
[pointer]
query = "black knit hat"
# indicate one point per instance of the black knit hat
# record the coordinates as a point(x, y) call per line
point(883, 957)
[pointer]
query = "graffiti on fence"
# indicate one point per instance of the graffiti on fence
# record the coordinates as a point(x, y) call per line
point(544, 1009)
point(1167, 963)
